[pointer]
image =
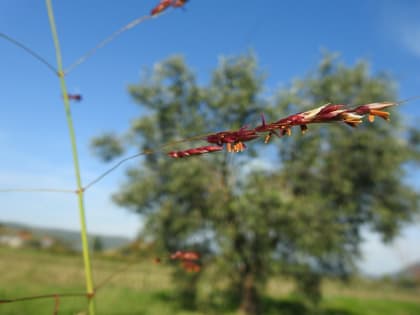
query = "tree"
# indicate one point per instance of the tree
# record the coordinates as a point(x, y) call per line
point(97, 245)
point(302, 215)
point(351, 178)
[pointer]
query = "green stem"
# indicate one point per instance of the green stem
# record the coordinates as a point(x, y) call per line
point(80, 194)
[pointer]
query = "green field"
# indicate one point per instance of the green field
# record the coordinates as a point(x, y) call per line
point(145, 288)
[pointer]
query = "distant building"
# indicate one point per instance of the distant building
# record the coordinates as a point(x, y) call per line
point(16, 240)
point(25, 235)
point(13, 241)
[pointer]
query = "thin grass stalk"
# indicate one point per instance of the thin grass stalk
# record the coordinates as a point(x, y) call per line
point(80, 191)
point(29, 51)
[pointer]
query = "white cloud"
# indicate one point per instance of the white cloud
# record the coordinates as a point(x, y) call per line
point(379, 258)
point(409, 35)
point(401, 21)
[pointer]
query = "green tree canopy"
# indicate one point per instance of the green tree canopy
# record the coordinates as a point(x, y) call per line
point(302, 214)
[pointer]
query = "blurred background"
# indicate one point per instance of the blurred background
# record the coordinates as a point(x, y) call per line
point(325, 222)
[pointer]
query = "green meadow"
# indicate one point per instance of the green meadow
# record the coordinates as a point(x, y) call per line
point(145, 288)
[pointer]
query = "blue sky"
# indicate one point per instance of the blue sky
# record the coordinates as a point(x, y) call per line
point(287, 37)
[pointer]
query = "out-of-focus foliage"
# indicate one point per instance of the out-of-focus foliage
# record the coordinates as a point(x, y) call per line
point(345, 179)
point(107, 146)
point(415, 142)
point(300, 212)
point(98, 245)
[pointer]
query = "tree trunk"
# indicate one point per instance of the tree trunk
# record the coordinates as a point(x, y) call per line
point(250, 298)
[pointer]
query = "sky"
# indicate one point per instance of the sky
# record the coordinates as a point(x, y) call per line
point(288, 38)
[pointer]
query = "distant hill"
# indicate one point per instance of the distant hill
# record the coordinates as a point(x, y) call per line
point(72, 238)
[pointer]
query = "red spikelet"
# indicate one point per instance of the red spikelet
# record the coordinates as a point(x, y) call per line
point(189, 260)
point(195, 151)
point(178, 3)
point(161, 6)
point(75, 97)
point(191, 266)
point(185, 255)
